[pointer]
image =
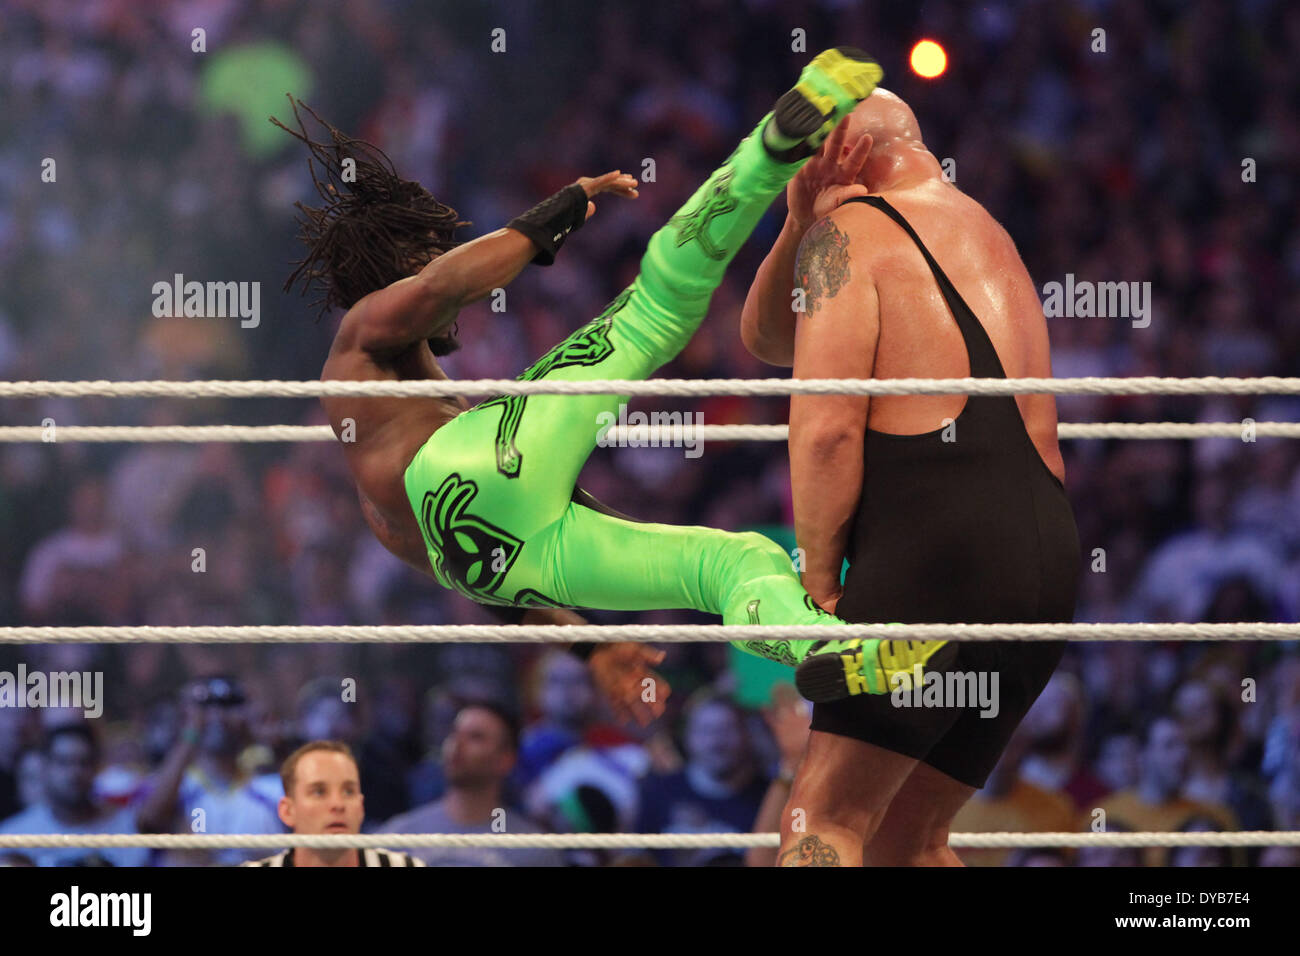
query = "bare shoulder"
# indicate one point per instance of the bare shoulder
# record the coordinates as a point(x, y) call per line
point(823, 267)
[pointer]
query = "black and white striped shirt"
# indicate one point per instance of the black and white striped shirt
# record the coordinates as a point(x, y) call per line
point(367, 858)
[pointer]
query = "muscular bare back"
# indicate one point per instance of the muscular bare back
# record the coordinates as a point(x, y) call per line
point(917, 335)
point(386, 433)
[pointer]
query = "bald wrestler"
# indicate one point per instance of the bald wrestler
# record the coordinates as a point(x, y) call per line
point(948, 509)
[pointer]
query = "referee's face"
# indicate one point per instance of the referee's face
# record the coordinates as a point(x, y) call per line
point(326, 795)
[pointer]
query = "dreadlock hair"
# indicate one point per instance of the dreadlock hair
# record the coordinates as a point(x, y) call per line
point(368, 232)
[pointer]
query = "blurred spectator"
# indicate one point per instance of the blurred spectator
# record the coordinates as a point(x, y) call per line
point(1284, 797)
point(427, 781)
point(572, 767)
point(1110, 856)
point(478, 755)
point(789, 718)
point(201, 786)
point(1180, 579)
point(565, 699)
point(1201, 855)
point(1011, 804)
point(66, 805)
point(31, 777)
point(1208, 720)
point(14, 730)
point(1156, 802)
point(719, 790)
point(1054, 727)
point(1119, 761)
point(74, 574)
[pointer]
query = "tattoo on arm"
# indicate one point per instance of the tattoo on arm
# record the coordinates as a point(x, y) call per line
point(810, 851)
point(823, 264)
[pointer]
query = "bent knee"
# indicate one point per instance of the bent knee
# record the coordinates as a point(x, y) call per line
point(759, 547)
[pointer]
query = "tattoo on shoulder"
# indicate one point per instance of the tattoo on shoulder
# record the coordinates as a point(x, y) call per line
point(810, 851)
point(823, 265)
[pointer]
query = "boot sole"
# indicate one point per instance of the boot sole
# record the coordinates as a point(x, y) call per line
point(821, 678)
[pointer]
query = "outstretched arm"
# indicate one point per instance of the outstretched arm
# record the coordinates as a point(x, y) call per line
point(412, 310)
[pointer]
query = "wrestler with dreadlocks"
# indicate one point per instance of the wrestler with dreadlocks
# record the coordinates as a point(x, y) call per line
point(484, 499)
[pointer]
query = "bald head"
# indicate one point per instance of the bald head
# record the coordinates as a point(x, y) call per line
point(897, 155)
point(886, 119)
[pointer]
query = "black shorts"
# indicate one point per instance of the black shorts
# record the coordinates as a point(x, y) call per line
point(955, 740)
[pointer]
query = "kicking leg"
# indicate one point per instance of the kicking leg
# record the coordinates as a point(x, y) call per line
point(592, 559)
point(651, 321)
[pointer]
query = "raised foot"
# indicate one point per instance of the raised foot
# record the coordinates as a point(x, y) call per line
point(841, 669)
point(828, 89)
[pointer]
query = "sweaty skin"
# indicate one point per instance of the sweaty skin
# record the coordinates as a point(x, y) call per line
point(872, 310)
point(383, 337)
point(388, 431)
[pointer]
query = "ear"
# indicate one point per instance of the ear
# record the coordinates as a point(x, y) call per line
point(284, 809)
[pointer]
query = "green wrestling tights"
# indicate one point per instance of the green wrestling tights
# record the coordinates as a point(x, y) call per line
point(494, 489)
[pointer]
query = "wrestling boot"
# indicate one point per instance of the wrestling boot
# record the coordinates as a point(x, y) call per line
point(829, 88)
point(834, 670)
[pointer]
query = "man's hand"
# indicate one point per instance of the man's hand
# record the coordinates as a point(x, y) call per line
point(788, 718)
point(827, 179)
point(616, 182)
point(825, 592)
point(620, 671)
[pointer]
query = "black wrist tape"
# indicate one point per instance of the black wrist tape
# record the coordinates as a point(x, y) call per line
point(551, 220)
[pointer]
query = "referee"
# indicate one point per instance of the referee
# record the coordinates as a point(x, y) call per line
point(322, 794)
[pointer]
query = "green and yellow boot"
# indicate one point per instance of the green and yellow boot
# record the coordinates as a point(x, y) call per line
point(829, 88)
point(834, 670)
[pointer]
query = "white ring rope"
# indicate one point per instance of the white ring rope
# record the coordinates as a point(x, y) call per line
point(1138, 385)
point(655, 633)
point(655, 435)
point(610, 841)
